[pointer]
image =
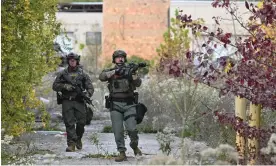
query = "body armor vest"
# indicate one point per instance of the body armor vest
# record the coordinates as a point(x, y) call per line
point(75, 77)
point(120, 85)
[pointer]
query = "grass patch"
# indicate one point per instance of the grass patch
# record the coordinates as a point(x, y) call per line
point(6, 158)
point(146, 129)
point(42, 152)
point(47, 129)
point(107, 129)
point(185, 134)
point(99, 155)
point(25, 159)
point(52, 127)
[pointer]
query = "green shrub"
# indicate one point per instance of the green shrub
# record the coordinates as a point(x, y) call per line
point(107, 129)
point(146, 129)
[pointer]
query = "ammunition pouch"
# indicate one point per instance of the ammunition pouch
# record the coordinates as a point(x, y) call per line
point(59, 98)
point(141, 110)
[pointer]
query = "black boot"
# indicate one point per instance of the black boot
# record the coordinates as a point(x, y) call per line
point(121, 157)
point(137, 151)
point(79, 144)
point(71, 147)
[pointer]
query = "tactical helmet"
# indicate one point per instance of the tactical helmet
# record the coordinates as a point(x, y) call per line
point(73, 56)
point(119, 53)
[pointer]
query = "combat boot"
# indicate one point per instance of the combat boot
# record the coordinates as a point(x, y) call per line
point(79, 144)
point(121, 157)
point(137, 151)
point(71, 148)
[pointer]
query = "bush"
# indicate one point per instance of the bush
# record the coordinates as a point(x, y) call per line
point(146, 129)
point(186, 106)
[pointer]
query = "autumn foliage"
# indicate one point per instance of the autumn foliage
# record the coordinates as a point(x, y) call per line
point(250, 72)
point(249, 68)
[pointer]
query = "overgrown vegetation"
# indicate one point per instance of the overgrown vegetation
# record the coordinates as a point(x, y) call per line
point(20, 150)
point(185, 107)
point(178, 106)
point(146, 129)
point(193, 51)
point(101, 151)
point(28, 30)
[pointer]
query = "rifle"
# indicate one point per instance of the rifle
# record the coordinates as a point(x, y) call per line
point(80, 92)
point(135, 67)
point(131, 69)
point(79, 89)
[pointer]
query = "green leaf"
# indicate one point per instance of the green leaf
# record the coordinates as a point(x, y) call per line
point(28, 31)
point(81, 46)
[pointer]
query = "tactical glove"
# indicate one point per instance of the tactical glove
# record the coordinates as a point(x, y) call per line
point(119, 71)
point(134, 77)
point(69, 87)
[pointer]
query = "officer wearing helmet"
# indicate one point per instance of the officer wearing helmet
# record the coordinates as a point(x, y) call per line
point(121, 103)
point(73, 106)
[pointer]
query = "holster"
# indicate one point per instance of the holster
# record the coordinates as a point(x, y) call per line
point(136, 97)
point(59, 98)
point(107, 102)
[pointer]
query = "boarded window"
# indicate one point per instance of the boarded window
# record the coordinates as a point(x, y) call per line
point(93, 38)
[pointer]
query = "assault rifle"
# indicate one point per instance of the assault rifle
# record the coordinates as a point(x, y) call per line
point(89, 111)
point(80, 91)
point(130, 69)
point(134, 67)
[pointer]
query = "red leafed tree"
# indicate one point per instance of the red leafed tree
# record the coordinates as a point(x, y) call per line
point(251, 71)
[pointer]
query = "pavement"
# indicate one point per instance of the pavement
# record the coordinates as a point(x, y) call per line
point(95, 143)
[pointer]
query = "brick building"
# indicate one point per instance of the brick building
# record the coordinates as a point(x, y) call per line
point(135, 26)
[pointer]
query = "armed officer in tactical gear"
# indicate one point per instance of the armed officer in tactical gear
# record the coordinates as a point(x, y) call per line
point(122, 106)
point(70, 82)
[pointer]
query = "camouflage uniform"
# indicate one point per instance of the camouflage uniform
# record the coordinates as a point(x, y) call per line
point(73, 106)
point(123, 107)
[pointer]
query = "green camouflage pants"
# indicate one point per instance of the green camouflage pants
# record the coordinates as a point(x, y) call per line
point(74, 117)
point(120, 112)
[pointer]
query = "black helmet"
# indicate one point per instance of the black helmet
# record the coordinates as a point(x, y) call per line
point(119, 53)
point(73, 56)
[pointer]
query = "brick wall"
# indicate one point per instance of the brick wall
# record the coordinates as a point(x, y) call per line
point(137, 26)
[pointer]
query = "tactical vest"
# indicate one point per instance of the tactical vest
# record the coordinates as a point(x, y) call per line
point(75, 77)
point(120, 85)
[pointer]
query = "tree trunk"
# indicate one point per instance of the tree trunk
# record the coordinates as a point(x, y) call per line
point(253, 142)
point(240, 111)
